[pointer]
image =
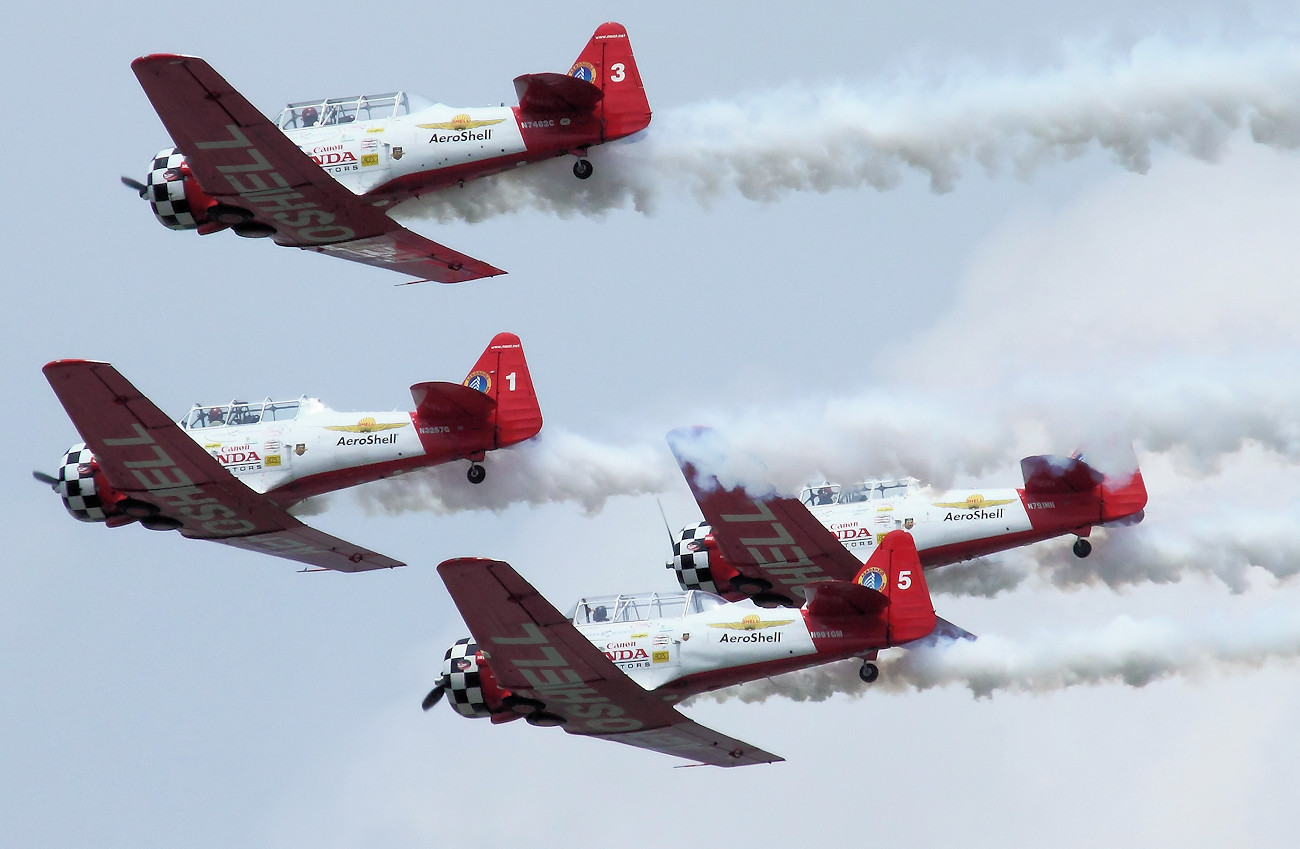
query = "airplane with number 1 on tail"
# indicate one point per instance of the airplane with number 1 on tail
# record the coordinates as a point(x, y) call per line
point(321, 175)
point(228, 472)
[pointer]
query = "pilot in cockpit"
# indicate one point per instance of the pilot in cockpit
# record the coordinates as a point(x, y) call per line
point(309, 116)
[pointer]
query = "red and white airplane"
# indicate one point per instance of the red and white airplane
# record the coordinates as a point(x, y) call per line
point(615, 666)
point(1061, 496)
point(321, 176)
point(228, 472)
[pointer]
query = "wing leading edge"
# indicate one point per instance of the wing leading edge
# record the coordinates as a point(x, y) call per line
point(764, 536)
point(241, 159)
point(535, 651)
point(146, 456)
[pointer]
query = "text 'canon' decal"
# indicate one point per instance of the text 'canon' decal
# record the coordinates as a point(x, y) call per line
point(168, 484)
point(264, 190)
point(556, 683)
point(773, 548)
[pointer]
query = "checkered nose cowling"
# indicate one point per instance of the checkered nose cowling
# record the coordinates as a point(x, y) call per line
point(165, 189)
point(691, 559)
point(77, 485)
point(464, 681)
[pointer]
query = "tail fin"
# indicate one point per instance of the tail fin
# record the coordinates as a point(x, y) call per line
point(502, 374)
point(1124, 494)
point(607, 63)
point(895, 571)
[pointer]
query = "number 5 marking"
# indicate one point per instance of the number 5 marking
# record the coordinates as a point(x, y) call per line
point(905, 579)
point(617, 76)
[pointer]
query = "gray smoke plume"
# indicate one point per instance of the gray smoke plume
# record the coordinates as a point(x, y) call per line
point(1128, 652)
point(767, 145)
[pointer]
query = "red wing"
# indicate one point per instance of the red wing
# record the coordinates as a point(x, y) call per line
point(241, 159)
point(776, 539)
point(536, 652)
point(146, 456)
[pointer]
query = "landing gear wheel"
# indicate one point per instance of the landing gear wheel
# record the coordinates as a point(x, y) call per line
point(749, 586)
point(476, 474)
point(229, 215)
point(160, 523)
point(869, 672)
point(582, 169)
point(1082, 548)
point(136, 509)
point(542, 719)
point(770, 601)
point(253, 230)
point(521, 705)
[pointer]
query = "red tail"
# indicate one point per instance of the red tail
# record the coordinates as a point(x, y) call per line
point(607, 63)
point(502, 374)
point(895, 571)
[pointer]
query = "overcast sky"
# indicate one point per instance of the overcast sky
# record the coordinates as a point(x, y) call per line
point(860, 239)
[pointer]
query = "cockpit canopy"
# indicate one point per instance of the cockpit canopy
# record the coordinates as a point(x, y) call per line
point(819, 494)
point(343, 110)
point(638, 607)
point(237, 413)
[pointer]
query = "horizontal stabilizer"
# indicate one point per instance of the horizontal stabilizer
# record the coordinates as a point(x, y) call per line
point(555, 93)
point(1049, 474)
point(832, 599)
point(442, 401)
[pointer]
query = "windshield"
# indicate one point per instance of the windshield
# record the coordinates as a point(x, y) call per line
point(334, 111)
point(816, 495)
point(638, 607)
point(236, 413)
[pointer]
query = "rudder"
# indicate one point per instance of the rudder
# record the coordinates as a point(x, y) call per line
point(502, 374)
point(607, 63)
point(895, 571)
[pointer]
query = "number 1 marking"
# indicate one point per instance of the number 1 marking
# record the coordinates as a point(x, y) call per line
point(510, 379)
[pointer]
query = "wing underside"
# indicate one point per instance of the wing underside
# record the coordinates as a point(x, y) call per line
point(147, 457)
point(242, 160)
point(536, 652)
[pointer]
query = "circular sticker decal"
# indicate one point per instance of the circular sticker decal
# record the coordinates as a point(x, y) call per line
point(872, 578)
point(480, 380)
point(584, 71)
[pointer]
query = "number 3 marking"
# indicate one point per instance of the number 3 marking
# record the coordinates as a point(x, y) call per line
point(617, 75)
point(905, 579)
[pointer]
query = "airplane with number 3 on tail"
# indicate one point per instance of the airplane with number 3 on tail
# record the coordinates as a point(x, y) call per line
point(615, 666)
point(321, 175)
point(228, 472)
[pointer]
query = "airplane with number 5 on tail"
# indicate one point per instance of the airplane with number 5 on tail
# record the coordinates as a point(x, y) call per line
point(228, 472)
point(321, 175)
point(615, 666)
point(1061, 496)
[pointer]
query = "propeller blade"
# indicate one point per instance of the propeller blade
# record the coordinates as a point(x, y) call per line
point(667, 527)
point(140, 188)
point(435, 695)
point(50, 480)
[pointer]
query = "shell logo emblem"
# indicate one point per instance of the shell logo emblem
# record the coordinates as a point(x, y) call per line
point(460, 122)
point(367, 425)
point(973, 502)
point(752, 622)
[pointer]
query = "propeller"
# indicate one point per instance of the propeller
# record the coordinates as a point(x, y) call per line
point(435, 695)
point(132, 183)
point(52, 481)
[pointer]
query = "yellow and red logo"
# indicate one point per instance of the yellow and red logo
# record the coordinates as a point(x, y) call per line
point(460, 122)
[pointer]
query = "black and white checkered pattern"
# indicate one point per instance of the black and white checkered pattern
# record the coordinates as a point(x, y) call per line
point(691, 559)
point(77, 485)
point(165, 188)
point(460, 672)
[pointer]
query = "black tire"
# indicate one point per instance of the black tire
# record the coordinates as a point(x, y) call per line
point(542, 719)
point(160, 523)
point(1082, 548)
point(582, 169)
point(253, 230)
point(869, 672)
point(521, 705)
point(229, 215)
point(771, 601)
point(749, 586)
point(476, 474)
point(136, 509)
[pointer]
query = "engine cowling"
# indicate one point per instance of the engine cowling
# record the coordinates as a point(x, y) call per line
point(472, 690)
point(81, 485)
point(698, 563)
point(178, 202)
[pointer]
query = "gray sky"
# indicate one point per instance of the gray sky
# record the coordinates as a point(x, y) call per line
point(862, 240)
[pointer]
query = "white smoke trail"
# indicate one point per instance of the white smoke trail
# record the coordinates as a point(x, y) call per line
point(555, 467)
point(765, 146)
point(1130, 652)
